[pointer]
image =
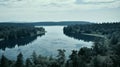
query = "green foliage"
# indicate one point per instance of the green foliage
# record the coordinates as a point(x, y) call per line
point(28, 63)
point(85, 54)
point(19, 31)
point(34, 57)
point(74, 59)
point(105, 52)
point(96, 61)
point(61, 57)
point(19, 62)
point(102, 29)
point(4, 62)
point(99, 48)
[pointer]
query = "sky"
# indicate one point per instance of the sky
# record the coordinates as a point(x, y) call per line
point(59, 10)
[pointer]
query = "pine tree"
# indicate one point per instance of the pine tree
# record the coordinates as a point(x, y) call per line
point(4, 61)
point(28, 63)
point(34, 58)
point(19, 62)
point(61, 57)
point(96, 61)
point(74, 58)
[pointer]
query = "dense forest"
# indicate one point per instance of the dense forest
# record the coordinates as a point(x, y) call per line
point(104, 53)
point(101, 29)
point(106, 50)
point(16, 31)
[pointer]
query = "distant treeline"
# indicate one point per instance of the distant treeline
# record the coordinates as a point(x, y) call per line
point(61, 23)
point(15, 31)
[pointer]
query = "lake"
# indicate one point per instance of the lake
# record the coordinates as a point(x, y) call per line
point(46, 45)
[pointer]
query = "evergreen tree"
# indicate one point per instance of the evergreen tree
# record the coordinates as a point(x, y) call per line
point(96, 61)
point(61, 57)
point(85, 54)
point(4, 61)
point(116, 56)
point(74, 59)
point(99, 48)
point(28, 63)
point(19, 62)
point(34, 58)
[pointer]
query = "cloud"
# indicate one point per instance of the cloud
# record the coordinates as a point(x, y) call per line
point(99, 1)
point(60, 4)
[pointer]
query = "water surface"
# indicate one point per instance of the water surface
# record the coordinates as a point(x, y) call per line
point(47, 45)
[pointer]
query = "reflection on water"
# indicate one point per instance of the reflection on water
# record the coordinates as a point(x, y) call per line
point(46, 45)
point(21, 41)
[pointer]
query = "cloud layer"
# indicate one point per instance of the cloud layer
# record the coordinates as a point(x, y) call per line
point(60, 4)
point(99, 1)
point(59, 10)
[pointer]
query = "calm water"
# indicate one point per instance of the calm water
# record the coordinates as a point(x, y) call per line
point(45, 45)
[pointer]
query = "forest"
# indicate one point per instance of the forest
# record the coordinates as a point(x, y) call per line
point(101, 29)
point(16, 31)
point(104, 52)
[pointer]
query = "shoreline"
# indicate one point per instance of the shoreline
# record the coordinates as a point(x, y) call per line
point(1, 39)
point(96, 35)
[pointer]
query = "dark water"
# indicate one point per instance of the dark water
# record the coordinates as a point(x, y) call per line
point(19, 42)
point(46, 45)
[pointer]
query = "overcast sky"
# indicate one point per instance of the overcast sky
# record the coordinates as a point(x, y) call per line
point(60, 10)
